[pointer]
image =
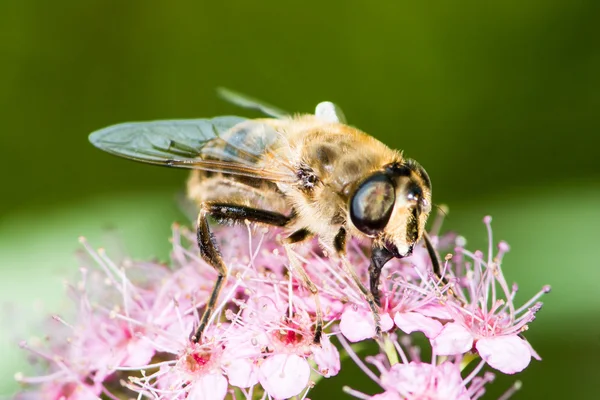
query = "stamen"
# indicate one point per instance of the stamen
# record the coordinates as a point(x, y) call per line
point(474, 373)
point(487, 220)
point(512, 390)
point(355, 393)
point(545, 290)
point(358, 361)
point(401, 352)
point(476, 389)
point(62, 321)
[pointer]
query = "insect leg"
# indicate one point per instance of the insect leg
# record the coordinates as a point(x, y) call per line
point(437, 268)
point(296, 267)
point(435, 261)
point(379, 256)
point(210, 253)
point(340, 248)
point(296, 237)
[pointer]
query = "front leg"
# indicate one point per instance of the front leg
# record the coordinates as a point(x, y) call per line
point(435, 261)
point(210, 252)
point(437, 267)
point(340, 247)
point(379, 256)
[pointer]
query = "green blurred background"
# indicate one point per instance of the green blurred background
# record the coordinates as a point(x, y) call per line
point(498, 100)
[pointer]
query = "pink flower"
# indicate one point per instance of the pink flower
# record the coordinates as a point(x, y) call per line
point(199, 371)
point(411, 299)
point(419, 304)
point(284, 375)
point(327, 357)
point(131, 334)
point(403, 375)
point(358, 324)
point(485, 317)
point(135, 320)
point(410, 322)
point(453, 339)
point(425, 381)
point(209, 387)
point(49, 390)
point(282, 344)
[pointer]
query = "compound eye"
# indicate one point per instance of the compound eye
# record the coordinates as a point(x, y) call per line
point(414, 193)
point(372, 204)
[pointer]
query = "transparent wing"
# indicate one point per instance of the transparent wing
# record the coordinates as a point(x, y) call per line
point(251, 103)
point(229, 144)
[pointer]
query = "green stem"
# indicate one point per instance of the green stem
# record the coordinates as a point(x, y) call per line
point(467, 359)
point(390, 350)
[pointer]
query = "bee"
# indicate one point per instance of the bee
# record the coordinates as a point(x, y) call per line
point(312, 175)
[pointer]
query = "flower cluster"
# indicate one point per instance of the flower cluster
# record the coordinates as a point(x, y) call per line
point(403, 375)
point(131, 335)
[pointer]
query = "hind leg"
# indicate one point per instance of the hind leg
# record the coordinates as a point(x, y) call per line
point(210, 252)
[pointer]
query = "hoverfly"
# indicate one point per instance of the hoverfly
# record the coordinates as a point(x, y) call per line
point(313, 175)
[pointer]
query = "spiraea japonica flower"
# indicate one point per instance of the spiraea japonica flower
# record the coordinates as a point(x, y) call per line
point(402, 374)
point(130, 335)
point(483, 315)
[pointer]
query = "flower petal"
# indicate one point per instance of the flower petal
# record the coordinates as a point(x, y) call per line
point(508, 354)
point(209, 387)
point(409, 322)
point(450, 384)
point(139, 352)
point(284, 375)
point(386, 322)
point(330, 306)
point(417, 380)
point(412, 378)
point(241, 373)
point(262, 310)
point(357, 325)
point(327, 357)
point(435, 310)
point(453, 339)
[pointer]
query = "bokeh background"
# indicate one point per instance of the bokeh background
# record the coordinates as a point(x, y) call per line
point(498, 100)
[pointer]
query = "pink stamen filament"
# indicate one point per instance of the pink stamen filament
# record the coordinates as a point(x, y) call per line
point(42, 378)
point(512, 390)
point(474, 373)
point(356, 393)
point(532, 300)
point(357, 360)
point(476, 389)
point(400, 352)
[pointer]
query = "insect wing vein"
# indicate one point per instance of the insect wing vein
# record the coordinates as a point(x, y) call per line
point(229, 144)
